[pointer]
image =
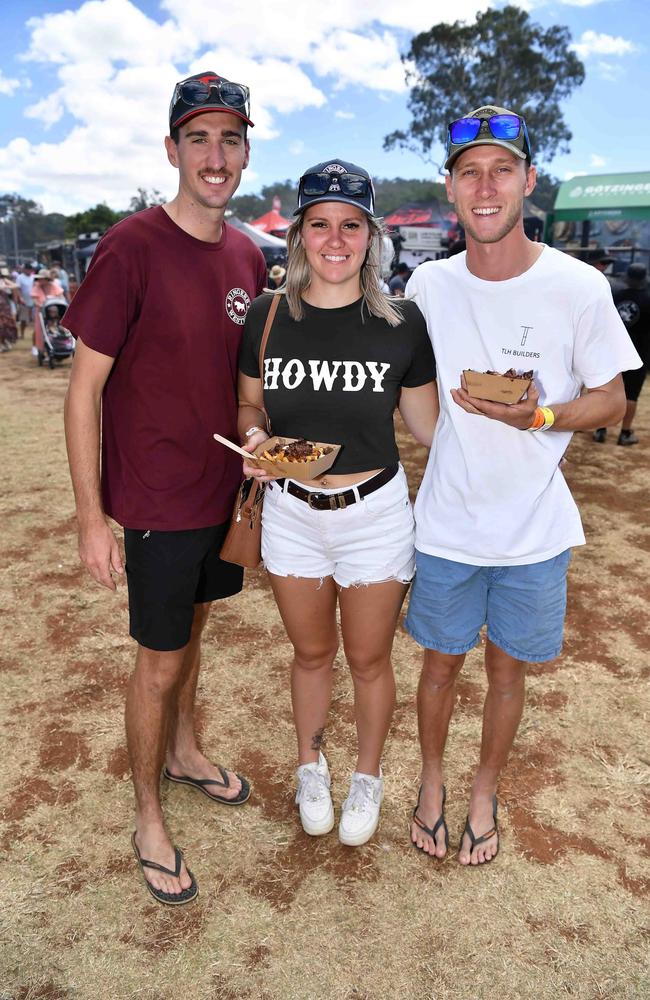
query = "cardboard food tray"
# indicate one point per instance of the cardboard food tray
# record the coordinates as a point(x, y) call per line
point(296, 470)
point(496, 388)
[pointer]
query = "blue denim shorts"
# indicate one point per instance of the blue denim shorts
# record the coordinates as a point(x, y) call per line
point(522, 606)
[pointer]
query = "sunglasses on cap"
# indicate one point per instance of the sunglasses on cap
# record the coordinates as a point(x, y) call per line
point(196, 92)
point(351, 185)
point(505, 128)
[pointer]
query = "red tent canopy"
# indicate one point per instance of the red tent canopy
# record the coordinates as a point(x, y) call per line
point(272, 222)
point(415, 214)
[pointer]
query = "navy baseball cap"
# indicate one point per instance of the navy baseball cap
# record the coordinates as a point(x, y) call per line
point(336, 180)
point(208, 92)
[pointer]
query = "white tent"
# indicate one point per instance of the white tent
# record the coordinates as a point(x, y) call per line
point(259, 238)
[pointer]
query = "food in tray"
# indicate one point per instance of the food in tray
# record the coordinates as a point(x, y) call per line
point(295, 451)
point(507, 388)
point(511, 373)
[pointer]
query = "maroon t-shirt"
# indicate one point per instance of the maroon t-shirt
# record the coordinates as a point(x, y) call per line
point(170, 309)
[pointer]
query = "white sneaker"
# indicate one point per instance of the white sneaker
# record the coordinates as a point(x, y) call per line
point(313, 797)
point(360, 811)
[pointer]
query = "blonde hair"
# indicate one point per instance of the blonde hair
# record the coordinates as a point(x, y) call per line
point(299, 274)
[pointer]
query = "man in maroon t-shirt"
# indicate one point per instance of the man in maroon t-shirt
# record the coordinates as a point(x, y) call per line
point(158, 321)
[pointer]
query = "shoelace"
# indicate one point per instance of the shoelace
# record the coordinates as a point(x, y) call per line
point(362, 791)
point(313, 786)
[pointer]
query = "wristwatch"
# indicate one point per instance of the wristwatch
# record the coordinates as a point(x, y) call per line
point(252, 430)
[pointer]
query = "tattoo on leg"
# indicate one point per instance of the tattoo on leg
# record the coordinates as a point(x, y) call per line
point(318, 739)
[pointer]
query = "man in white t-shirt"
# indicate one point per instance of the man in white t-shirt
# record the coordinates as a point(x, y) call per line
point(495, 521)
point(25, 282)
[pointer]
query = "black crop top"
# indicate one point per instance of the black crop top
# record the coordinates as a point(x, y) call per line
point(336, 376)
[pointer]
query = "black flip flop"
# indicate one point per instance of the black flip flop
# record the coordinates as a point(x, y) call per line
point(431, 831)
point(168, 898)
point(201, 784)
point(475, 841)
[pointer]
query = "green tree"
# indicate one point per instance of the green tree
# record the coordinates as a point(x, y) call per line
point(97, 219)
point(393, 193)
point(250, 206)
point(23, 222)
point(504, 58)
point(545, 191)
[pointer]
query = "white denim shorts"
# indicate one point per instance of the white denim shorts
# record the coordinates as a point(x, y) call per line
point(370, 541)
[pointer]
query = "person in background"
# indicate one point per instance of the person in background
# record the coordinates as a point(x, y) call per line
point(45, 287)
point(8, 302)
point(340, 358)
point(25, 282)
point(601, 260)
point(276, 277)
point(495, 521)
point(633, 304)
point(162, 475)
point(397, 283)
point(61, 275)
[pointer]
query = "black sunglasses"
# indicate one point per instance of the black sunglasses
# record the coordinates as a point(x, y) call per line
point(351, 185)
point(197, 92)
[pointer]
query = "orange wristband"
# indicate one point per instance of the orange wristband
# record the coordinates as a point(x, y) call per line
point(538, 419)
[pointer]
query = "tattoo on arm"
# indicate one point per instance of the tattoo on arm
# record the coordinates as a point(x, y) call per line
point(318, 739)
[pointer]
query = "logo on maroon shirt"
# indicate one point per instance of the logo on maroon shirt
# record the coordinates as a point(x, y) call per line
point(237, 304)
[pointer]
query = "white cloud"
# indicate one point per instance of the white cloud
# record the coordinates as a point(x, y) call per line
point(116, 66)
point(570, 174)
point(597, 161)
point(297, 147)
point(593, 43)
point(7, 84)
point(370, 60)
point(49, 110)
point(347, 115)
point(609, 71)
point(110, 31)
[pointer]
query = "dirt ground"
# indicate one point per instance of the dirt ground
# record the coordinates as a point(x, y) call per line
point(561, 913)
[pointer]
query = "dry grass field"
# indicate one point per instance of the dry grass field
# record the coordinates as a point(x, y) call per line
point(561, 913)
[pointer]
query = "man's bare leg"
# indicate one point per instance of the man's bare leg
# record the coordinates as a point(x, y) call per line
point(183, 754)
point(151, 691)
point(436, 696)
point(502, 711)
point(630, 412)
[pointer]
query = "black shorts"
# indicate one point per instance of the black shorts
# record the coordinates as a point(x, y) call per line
point(167, 573)
point(633, 382)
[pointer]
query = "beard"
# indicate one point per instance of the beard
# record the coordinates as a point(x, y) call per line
point(506, 224)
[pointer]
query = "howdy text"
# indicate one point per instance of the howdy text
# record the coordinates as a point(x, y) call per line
point(352, 374)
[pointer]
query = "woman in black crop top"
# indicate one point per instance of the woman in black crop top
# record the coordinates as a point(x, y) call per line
point(340, 358)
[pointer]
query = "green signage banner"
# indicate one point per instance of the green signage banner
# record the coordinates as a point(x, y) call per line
point(604, 196)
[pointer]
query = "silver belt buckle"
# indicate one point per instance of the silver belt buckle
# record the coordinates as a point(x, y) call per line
point(312, 496)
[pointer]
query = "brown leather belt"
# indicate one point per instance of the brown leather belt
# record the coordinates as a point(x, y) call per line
point(337, 501)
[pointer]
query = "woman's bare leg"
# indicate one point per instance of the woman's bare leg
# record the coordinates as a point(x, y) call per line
point(368, 620)
point(308, 610)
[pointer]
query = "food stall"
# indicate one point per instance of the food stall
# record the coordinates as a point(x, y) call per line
point(611, 211)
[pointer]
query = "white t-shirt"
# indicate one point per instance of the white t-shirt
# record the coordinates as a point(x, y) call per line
point(25, 283)
point(493, 495)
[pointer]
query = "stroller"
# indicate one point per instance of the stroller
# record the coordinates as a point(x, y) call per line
point(54, 343)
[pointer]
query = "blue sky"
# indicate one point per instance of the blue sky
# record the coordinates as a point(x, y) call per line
point(85, 86)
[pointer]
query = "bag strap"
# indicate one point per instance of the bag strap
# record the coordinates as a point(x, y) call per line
point(270, 316)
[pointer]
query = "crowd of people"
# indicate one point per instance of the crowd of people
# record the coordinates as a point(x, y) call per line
point(24, 290)
point(320, 350)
